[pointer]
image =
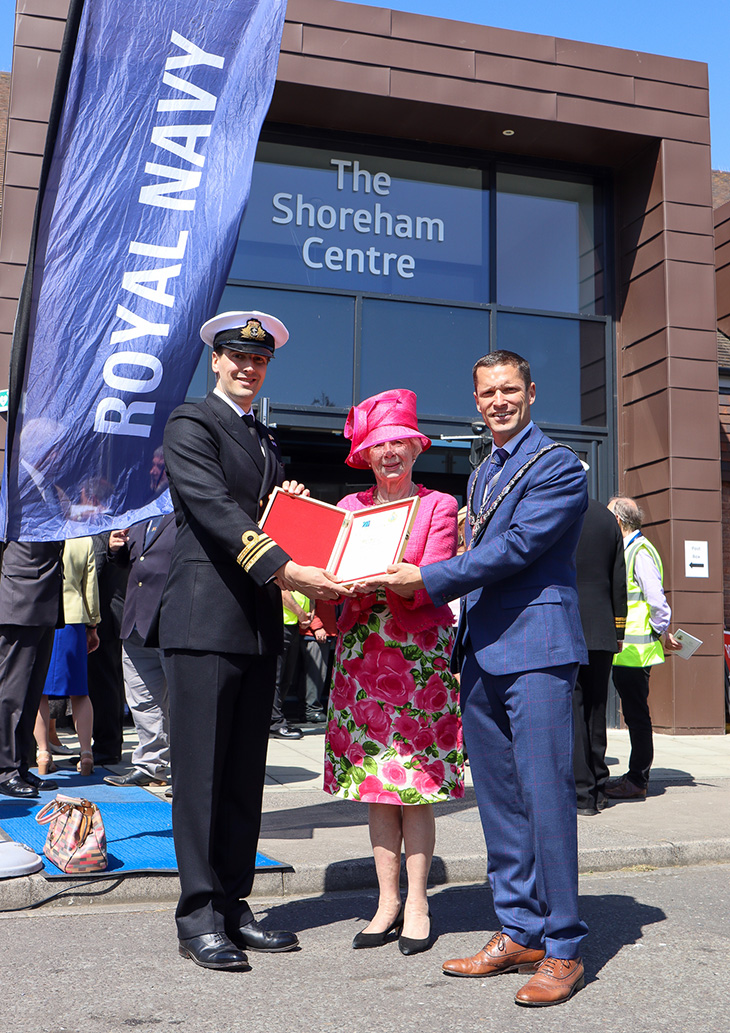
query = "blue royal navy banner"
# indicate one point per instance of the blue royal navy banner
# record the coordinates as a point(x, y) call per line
point(141, 199)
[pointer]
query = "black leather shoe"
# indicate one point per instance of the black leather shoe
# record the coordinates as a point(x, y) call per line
point(363, 940)
point(252, 937)
point(137, 777)
point(286, 733)
point(213, 950)
point(18, 788)
point(408, 946)
point(588, 812)
point(317, 718)
point(39, 783)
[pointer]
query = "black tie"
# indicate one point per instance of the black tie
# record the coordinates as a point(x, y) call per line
point(249, 420)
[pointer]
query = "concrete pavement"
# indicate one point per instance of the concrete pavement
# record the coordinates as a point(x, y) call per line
point(684, 820)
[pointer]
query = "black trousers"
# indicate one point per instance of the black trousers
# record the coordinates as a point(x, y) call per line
point(220, 708)
point(287, 664)
point(589, 726)
point(106, 692)
point(632, 685)
point(25, 653)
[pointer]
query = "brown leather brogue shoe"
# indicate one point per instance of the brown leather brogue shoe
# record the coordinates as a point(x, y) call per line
point(624, 789)
point(500, 955)
point(554, 982)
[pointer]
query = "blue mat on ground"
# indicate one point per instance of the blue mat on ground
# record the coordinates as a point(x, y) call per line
point(138, 826)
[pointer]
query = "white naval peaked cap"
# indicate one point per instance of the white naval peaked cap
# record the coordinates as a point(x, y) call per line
point(255, 332)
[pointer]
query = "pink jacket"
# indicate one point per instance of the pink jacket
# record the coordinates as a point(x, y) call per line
point(433, 537)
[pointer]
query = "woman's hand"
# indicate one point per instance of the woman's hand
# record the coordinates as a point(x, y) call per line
point(92, 638)
point(294, 488)
point(402, 578)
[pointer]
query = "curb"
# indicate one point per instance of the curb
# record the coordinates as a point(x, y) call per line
point(308, 880)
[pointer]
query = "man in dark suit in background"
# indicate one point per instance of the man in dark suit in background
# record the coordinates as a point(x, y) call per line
point(146, 551)
point(104, 665)
point(221, 629)
point(522, 642)
point(31, 607)
point(602, 596)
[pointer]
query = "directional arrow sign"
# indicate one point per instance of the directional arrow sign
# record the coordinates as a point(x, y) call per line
point(696, 562)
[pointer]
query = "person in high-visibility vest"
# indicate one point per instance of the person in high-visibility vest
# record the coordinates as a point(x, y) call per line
point(646, 638)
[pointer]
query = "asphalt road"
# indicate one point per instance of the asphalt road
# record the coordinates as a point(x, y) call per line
point(656, 959)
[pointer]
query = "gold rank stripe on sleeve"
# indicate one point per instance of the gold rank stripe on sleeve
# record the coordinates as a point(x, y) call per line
point(255, 546)
point(620, 622)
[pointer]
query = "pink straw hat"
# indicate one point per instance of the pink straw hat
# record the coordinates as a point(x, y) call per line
point(389, 416)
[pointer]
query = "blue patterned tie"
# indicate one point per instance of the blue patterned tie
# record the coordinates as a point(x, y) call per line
point(496, 462)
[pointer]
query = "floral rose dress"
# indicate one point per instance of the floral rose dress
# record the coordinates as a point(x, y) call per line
point(394, 730)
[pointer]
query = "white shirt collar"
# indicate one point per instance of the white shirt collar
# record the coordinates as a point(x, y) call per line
point(511, 445)
point(229, 401)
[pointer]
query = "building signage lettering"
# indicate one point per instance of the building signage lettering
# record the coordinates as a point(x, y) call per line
point(371, 219)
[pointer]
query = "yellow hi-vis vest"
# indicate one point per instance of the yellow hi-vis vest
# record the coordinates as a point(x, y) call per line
point(642, 646)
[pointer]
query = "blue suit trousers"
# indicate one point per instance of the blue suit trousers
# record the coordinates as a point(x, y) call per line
point(518, 730)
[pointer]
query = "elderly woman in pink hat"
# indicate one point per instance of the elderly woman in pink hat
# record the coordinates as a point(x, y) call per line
point(394, 730)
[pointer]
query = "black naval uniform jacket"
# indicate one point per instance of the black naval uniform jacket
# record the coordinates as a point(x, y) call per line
point(219, 597)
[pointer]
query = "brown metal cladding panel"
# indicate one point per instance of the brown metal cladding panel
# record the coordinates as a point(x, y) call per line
point(669, 125)
point(643, 229)
point(697, 607)
point(645, 353)
point(687, 172)
point(645, 429)
point(684, 343)
point(34, 76)
point(682, 373)
point(688, 218)
point(475, 37)
point(18, 210)
point(11, 279)
point(690, 247)
point(355, 17)
point(694, 474)
point(8, 308)
point(291, 37)
point(722, 254)
point(482, 96)
point(44, 8)
point(699, 702)
point(22, 169)
point(639, 186)
point(667, 97)
point(43, 33)
point(638, 261)
point(26, 137)
point(334, 75)
point(679, 504)
point(691, 295)
point(375, 50)
point(645, 311)
point(722, 286)
point(722, 222)
point(554, 78)
point(631, 62)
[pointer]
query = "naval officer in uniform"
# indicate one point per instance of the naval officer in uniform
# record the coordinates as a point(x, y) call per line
point(221, 630)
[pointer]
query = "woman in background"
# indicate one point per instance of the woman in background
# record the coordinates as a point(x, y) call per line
point(67, 671)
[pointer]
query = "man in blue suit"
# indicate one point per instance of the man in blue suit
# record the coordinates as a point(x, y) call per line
point(520, 644)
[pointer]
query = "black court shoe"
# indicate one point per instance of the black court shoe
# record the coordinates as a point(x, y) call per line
point(363, 940)
point(407, 946)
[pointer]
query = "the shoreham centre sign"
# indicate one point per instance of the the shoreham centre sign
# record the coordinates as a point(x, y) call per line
point(363, 222)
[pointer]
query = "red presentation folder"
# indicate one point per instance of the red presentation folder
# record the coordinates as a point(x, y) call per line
point(351, 546)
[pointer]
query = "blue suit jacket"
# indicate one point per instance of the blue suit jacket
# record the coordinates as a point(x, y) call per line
point(521, 607)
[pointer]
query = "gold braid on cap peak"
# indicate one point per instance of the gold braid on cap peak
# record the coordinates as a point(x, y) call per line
point(255, 546)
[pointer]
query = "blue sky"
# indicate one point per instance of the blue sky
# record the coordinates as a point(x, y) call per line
point(699, 31)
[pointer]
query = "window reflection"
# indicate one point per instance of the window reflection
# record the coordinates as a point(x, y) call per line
point(427, 348)
point(567, 359)
point(549, 252)
point(315, 365)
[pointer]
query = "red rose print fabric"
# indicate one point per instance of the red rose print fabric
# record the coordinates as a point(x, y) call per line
point(393, 724)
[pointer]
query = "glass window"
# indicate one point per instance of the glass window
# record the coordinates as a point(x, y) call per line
point(549, 253)
point(568, 362)
point(315, 365)
point(364, 223)
point(429, 349)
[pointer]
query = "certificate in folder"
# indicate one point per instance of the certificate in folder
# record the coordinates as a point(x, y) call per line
point(351, 546)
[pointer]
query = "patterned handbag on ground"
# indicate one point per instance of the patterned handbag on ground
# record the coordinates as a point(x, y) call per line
point(76, 841)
